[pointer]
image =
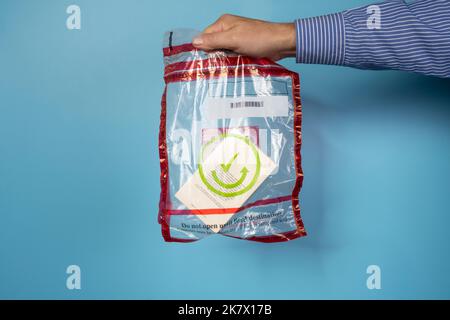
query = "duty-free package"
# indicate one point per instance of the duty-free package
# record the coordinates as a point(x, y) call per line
point(229, 145)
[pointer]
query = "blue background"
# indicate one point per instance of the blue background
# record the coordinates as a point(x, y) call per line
point(79, 168)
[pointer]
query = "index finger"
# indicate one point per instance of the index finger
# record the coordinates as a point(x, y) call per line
point(221, 24)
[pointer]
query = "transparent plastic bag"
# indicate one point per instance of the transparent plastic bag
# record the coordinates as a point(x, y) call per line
point(229, 144)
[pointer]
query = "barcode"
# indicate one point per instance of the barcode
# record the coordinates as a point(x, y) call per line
point(246, 104)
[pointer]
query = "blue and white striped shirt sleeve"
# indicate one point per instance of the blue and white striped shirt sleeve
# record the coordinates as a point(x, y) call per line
point(389, 35)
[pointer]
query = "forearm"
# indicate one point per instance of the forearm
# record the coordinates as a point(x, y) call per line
point(387, 35)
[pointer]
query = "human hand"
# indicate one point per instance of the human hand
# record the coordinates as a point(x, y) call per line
point(249, 37)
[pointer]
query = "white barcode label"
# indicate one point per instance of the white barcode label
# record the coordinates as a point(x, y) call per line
point(247, 104)
point(245, 107)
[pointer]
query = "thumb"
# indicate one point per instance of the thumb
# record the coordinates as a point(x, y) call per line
point(214, 40)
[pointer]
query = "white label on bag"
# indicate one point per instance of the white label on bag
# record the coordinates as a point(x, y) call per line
point(245, 107)
point(229, 175)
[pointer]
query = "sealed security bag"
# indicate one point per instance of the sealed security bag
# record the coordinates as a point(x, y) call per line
point(229, 145)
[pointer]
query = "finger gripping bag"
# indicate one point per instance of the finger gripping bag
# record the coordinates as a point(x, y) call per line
point(229, 145)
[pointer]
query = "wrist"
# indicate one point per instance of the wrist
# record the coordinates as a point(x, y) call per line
point(286, 39)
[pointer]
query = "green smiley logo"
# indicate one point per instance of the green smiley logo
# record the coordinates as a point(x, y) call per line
point(224, 190)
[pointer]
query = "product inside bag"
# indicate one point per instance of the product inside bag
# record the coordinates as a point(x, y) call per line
point(229, 144)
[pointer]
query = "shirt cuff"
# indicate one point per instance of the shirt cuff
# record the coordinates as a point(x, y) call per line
point(321, 40)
